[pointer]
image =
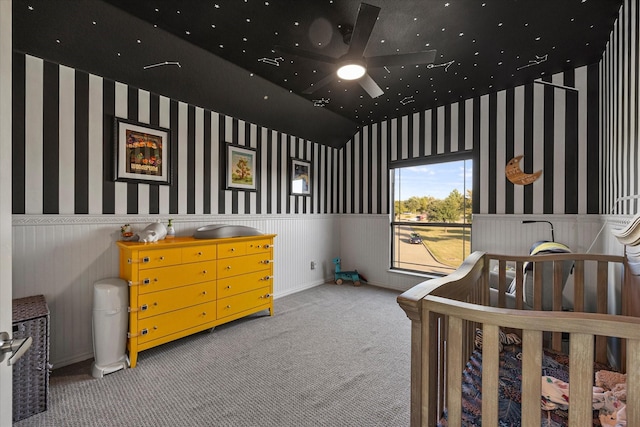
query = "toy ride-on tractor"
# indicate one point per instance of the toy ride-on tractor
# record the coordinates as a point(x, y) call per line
point(341, 276)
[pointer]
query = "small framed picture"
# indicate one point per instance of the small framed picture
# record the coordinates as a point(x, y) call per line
point(241, 168)
point(300, 177)
point(142, 153)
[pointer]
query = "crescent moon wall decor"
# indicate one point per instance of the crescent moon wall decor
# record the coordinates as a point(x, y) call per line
point(516, 175)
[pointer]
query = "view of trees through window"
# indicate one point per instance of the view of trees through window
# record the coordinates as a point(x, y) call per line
point(431, 224)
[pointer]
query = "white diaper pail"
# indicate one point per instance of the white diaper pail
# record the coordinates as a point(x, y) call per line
point(110, 324)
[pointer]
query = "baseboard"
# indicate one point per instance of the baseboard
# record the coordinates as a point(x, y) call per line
point(299, 289)
point(70, 361)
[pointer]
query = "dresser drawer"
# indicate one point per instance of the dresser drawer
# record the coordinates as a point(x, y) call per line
point(259, 246)
point(159, 258)
point(245, 301)
point(245, 264)
point(155, 303)
point(156, 327)
point(243, 283)
point(199, 253)
point(159, 279)
point(226, 250)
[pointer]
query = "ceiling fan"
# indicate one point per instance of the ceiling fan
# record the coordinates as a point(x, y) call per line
point(353, 65)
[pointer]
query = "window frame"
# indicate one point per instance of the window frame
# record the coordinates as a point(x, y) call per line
point(423, 161)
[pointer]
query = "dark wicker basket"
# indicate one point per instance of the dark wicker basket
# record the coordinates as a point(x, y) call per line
point(31, 372)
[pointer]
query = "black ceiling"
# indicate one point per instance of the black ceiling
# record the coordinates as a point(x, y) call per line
point(228, 63)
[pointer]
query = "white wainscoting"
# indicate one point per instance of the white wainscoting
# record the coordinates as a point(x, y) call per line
point(62, 257)
point(365, 246)
point(365, 240)
point(506, 234)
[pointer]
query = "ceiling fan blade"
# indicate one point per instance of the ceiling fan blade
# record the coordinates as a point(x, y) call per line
point(305, 54)
point(370, 86)
point(415, 58)
point(319, 84)
point(367, 16)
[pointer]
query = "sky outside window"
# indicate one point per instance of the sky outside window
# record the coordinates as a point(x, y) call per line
point(436, 180)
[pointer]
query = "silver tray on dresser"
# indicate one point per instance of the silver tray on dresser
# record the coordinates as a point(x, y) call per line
point(219, 231)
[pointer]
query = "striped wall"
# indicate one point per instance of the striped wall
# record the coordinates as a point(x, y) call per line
point(70, 115)
point(620, 114)
point(62, 152)
point(555, 129)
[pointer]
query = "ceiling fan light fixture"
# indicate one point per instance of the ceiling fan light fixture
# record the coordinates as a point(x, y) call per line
point(351, 71)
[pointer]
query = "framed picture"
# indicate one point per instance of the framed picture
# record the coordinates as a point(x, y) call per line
point(300, 177)
point(142, 153)
point(241, 168)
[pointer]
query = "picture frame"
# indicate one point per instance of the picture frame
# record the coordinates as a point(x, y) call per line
point(141, 153)
point(241, 170)
point(300, 183)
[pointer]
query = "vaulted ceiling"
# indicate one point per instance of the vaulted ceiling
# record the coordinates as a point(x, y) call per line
point(246, 58)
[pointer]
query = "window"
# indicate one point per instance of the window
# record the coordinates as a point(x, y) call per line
point(431, 222)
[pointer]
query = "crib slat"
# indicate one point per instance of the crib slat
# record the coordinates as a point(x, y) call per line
point(442, 362)
point(537, 285)
point(556, 337)
point(519, 281)
point(531, 368)
point(557, 285)
point(454, 374)
point(633, 383)
point(580, 379)
point(502, 283)
point(490, 368)
point(603, 304)
point(578, 287)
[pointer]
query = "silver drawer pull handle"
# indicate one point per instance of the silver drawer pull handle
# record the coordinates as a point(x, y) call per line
point(146, 259)
point(145, 331)
point(144, 307)
point(146, 281)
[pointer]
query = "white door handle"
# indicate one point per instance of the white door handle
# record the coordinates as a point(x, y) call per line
point(17, 346)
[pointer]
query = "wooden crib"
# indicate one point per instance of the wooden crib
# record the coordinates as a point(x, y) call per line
point(445, 313)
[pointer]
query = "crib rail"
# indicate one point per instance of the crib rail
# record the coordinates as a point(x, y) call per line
point(445, 312)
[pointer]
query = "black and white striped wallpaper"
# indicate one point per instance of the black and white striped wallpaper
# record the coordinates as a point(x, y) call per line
point(62, 145)
point(554, 128)
point(620, 114)
point(62, 152)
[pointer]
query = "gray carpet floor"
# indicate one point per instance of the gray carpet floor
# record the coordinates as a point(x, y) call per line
point(330, 356)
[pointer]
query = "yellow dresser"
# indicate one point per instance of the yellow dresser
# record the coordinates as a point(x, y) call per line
point(183, 285)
